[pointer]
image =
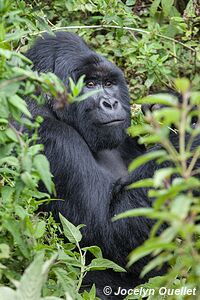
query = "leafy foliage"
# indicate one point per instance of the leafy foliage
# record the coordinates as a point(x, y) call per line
point(153, 42)
point(175, 190)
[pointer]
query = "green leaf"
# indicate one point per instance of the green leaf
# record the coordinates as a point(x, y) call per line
point(27, 163)
point(6, 150)
point(154, 7)
point(31, 281)
point(181, 206)
point(86, 95)
point(40, 229)
point(7, 193)
point(33, 150)
point(20, 104)
point(182, 85)
point(145, 158)
point(164, 99)
point(34, 277)
point(90, 295)
point(92, 292)
point(169, 234)
point(103, 264)
point(147, 212)
point(167, 116)
point(71, 261)
point(75, 91)
point(162, 174)
point(20, 211)
point(147, 248)
point(130, 2)
point(71, 84)
point(147, 182)
point(28, 180)
point(95, 250)
point(190, 9)
point(12, 135)
point(6, 53)
point(16, 35)
point(156, 262)
point(80, 83)
point(4, 251)
point(195, 98)
point(70, 231)
point(166, 6)
point(42, 166)
point(63, 277)
point(7, 293)
point(30, 74)
point(9, 89)
point(9, 160)
point(149, 82)
point(13, 227)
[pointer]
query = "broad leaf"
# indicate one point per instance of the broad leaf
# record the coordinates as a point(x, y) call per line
point(20, 104)
point(147, 248)
point(95, 250)
point(42, 166)
point(103, 264)
point(145, 158)
point(70, 231)
point(7, 293)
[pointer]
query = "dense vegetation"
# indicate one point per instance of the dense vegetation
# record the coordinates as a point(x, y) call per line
point(154, 42)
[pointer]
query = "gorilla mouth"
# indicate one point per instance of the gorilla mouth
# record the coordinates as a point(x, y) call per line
point(113, 122)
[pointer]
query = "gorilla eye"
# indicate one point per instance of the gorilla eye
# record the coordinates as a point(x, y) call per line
point(90, 84)
point(108, 84)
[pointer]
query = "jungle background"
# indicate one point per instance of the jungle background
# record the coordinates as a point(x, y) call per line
point(155, 43)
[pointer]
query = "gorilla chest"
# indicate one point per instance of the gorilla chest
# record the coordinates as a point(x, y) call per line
point(111, 162)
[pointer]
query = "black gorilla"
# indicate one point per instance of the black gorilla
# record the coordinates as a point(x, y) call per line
point(89, 152)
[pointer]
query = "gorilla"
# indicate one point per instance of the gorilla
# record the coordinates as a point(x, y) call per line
point(89, 152)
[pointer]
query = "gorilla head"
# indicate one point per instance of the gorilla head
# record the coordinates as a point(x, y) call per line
point(101, 119)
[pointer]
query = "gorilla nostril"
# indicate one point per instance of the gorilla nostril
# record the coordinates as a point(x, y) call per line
point(106, 104)
point(115, 104)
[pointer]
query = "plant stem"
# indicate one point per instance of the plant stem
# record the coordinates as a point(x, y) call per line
point(182, 131)
point(82, 268)
point(115, 27)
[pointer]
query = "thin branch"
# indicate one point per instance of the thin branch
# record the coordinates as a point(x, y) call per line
point(193, 162)
point(116, 27)
point(82, 271)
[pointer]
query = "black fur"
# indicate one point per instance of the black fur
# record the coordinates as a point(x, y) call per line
point(89, 159)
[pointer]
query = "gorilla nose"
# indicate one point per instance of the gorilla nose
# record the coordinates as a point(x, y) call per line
point(110, 105)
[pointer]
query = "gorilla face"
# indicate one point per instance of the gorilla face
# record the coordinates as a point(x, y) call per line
point(102, 118)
